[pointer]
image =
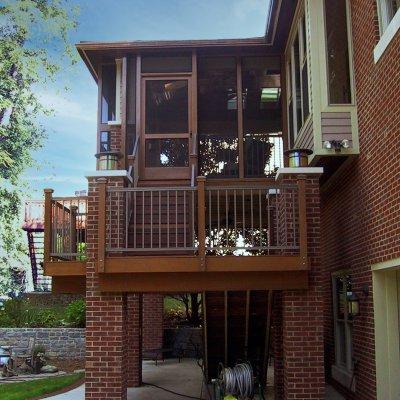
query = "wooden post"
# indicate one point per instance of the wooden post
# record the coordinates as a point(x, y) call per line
point(48, 221)
point(102, 185)
point(302, 221)
point(201, 220)
point(72, 227)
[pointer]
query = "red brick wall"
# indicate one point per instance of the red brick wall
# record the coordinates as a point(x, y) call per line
point(302, 314)
point(134, 339)
point(153, 310)
point(360, 211)
point(106, 342)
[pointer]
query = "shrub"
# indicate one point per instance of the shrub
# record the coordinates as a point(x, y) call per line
point(75, 315)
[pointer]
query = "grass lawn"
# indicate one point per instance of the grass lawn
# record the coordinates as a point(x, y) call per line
point(36, 388)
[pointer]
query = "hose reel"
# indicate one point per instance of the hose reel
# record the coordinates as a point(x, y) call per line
point(238, 382)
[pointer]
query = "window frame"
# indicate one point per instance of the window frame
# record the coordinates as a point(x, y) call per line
point(291, 81)
point(348, 365)
point(383, 14)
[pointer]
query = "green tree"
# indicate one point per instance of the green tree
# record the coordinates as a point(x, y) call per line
point(34, 46)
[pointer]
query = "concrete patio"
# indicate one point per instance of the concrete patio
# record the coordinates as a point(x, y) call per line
point(185, 378)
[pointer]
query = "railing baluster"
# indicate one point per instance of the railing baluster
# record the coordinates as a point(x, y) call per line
point(211, 242)
point(201, 216)
point(226, 217)
point(176, 219)
point(235, 217)
point(167, 218)
point(184, 219)
point(134, 220)
point(143, 219)
point(251, 216)
point(126, 218)
point(193, 227)
point(48, 224)
point(151, 219)
point(118, 219)
point(218, 221)
point(159, 219)
point(260, 217)
point(244, 217)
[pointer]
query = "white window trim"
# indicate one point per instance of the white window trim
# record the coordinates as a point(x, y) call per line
point(387, 36)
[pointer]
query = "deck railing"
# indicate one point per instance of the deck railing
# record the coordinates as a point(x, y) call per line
point(65, 227)
point(256, 219)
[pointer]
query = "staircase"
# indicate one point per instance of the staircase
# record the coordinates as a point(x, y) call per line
point(36, 255)
point(237, 327)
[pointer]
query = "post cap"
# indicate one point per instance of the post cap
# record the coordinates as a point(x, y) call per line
point(47, 190)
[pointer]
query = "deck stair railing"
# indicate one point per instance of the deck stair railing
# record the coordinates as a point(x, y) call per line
point(66, 217)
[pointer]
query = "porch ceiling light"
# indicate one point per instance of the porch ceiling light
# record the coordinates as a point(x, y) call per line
point(345, 144)
point(327, 145)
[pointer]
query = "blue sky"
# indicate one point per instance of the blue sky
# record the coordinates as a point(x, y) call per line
point(68, 153)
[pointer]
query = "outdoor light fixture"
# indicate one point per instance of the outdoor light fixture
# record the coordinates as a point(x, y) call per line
point(353, 304)
point(336, 145)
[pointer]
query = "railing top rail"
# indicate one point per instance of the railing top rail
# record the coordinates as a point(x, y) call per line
point(253, 187)
point(151, 189)
point(70, 198)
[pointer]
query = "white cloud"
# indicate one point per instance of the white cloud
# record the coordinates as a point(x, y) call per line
point(57, 178)
point(67, 108)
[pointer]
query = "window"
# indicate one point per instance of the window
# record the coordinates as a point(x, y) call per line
point(108, 92)
point(262, 125)
point(105, 142)
point(337, 45)
point(343, 327)
point(387, 9)
point(298, 107)
point(217, 116)
point(167, 153)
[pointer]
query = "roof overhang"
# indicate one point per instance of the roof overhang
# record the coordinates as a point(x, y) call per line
point(279, 17)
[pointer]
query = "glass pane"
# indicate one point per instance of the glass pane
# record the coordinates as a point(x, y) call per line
point(167, 64)
point(304, 82)
point(105, 141)
point(338, 52)
point(297, 83)
point(341, 342)
point(262, 112)
point(217, 116)
point(340, 297)
point(167, 106)
point(167, 153)
point(108, 93)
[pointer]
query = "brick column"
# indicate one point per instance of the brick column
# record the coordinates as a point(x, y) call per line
point(302, 311)
point(134, 335)
point(153, 318)
point(105, 320)
point(277, 345)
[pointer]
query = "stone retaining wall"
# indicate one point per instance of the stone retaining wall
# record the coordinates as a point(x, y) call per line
point(58, 342)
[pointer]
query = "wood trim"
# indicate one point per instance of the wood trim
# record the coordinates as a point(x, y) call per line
point(239, 91)
point(191, 263)
point(203, 281)
point(65, 268)
point(68, 284)
point(124, 82)
point(48, 193)
point(101, 254)
point(303, 222)
point(201, 220)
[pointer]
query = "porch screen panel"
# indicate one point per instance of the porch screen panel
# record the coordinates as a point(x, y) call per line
point(108, 84)
point(262, 112)
point(217, 117)
point(131, 104)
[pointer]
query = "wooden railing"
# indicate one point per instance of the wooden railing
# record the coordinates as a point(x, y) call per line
point(64, 227)
point(251, 219)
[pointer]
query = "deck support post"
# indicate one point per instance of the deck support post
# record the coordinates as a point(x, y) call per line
point(48, 221)
point(201, 220)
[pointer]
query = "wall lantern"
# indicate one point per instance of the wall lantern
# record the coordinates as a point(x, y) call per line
point(298, 157)
point(353, 304)
point(336, 145)
point(108, 160)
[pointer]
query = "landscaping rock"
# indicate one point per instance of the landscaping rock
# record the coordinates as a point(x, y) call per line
point(48, 369)
point(79, 371)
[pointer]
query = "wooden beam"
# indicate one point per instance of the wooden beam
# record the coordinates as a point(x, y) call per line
point(203, 281)
point(48, 193)
point(65, 268)
point(190, 263)
point(239, 91)
point(68, 284)
point(123, 116)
